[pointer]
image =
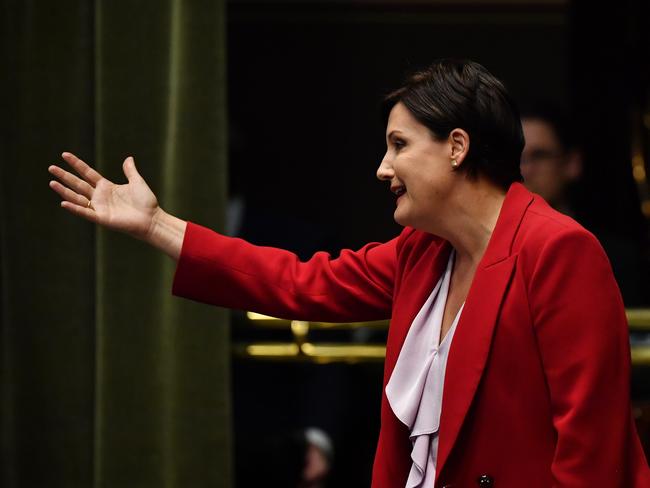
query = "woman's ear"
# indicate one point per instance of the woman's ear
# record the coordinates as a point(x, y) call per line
point(459, 143)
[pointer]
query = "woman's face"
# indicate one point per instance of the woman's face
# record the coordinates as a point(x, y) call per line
point(418, 167)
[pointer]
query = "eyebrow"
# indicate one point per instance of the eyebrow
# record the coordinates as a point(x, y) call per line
point(395, 131)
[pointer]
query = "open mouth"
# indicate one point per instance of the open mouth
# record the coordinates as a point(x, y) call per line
point(398, 191)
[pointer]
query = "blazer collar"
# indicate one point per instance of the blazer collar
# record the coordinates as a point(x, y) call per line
point(517, 200)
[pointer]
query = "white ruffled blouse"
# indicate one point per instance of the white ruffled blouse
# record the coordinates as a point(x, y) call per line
point(414, 390)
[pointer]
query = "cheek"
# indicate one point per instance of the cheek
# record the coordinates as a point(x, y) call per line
point(429, 191)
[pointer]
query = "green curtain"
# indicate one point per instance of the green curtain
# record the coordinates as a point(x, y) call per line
point(106, 379)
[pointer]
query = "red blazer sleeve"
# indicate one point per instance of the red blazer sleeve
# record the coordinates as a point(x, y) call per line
point(233, 273)
point(583, 338)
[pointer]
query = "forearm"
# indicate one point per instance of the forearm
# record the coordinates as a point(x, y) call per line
point(230, 272)
point(167, 233)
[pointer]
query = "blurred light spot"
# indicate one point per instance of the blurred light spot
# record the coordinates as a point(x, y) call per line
point(273, 350)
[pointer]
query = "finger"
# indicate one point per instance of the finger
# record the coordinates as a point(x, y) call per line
point(130, 170)
point(85, 171)
point(68, 195)
point(72, 181)
point(81, 211)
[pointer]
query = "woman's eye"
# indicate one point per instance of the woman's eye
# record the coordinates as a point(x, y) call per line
point(399, 144)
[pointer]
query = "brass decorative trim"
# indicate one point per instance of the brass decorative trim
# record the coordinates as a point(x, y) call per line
point(638, 318)
point(641, 355)
point(301, 350)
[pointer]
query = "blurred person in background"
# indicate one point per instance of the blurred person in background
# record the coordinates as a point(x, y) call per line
point(551, 162)
point(299, 458)
point(553, 165)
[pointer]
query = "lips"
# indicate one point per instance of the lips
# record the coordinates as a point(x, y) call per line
point(398, 191)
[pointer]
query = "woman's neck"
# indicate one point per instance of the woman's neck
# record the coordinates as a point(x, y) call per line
point(471, 218)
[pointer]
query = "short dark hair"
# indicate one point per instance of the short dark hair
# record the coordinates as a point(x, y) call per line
point(456, 93)
point(556, 117)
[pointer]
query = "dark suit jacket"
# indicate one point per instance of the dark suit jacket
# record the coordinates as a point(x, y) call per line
point(536, 390)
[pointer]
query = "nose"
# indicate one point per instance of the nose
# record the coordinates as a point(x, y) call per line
point(385, 171)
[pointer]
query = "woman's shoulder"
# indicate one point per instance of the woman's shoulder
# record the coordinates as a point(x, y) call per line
point(545, 229)
point(540, 213)
point(543, 222)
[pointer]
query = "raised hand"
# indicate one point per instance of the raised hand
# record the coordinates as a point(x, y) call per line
point(129, 208)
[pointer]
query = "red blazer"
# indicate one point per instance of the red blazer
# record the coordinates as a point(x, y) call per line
point(536, 390)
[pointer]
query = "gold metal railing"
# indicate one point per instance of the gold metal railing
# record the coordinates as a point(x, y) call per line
point(638, 318)
point(301, 349)
point(639, 321)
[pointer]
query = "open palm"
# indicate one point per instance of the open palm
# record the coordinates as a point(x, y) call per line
point(128, 208)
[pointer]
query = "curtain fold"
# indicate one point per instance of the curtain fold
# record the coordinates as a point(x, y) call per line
point(106, 379)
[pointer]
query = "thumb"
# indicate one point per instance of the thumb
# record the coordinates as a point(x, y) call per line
point(129, 169)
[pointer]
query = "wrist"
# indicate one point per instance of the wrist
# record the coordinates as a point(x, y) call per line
point(166, 233)
point(157, 219)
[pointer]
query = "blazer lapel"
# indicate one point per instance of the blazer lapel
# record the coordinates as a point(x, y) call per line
point(473, 337)
point(421, 280)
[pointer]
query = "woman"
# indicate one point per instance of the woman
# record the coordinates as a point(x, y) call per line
point(507, 361)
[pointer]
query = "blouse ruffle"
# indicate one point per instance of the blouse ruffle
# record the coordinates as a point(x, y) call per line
point(415, 388)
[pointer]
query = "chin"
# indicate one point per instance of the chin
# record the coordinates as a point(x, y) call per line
point(410, 220)
point(405, 216)
point(401, 219)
